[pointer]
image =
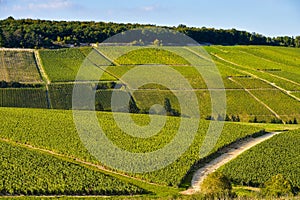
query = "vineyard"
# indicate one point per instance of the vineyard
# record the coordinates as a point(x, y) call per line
point(61, 96)
point(262, 86)
point(264, 62)
point(287, 110)
point(18, 66)
point(279, 155)
point(259, 70)
point(63, 65)
point(23, 98)
point(49, 175)
point(151, 56)
point(54, 130)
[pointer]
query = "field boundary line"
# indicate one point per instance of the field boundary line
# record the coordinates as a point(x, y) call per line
point(40, 67)
point(228, 154)
point(106, 57)
point(100, 67)
point(106, 71)
point(44, 76)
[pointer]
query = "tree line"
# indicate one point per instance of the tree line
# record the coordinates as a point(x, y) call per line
point(30, 33)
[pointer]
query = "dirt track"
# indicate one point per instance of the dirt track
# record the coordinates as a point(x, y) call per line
point(228, 154)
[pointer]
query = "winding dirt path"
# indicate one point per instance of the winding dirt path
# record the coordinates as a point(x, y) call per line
point(228, 154)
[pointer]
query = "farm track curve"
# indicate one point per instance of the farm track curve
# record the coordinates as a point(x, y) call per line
point(227, 154)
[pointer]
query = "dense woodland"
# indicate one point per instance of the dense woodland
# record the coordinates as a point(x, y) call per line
point(29, 33)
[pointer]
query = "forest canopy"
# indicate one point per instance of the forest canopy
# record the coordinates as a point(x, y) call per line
point(30, 33)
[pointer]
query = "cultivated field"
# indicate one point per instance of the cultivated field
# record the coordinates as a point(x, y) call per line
point(18, 66)
point(36, 177)
point(63, 65)
point(54, 130)
point(262, 86)
point(23, 97)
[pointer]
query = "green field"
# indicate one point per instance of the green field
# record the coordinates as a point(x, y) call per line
point(18, 66)
point(63, 65)
point(23, 97)
point(54, 130)
point(238, 102)
point(282, 104)
point(50, 175)
point(264, 62)
point(61, 96)
point(279, 155)
point(151, 56)
point(260, 82)
point(241, 68)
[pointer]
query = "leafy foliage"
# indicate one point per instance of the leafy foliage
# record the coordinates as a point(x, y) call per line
point(15, 33)
point(216, 185)
point(62, 65)
point(288, 108)
point(277, 186)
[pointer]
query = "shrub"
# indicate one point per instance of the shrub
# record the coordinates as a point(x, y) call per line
point(277, 186)
point(216, 185)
